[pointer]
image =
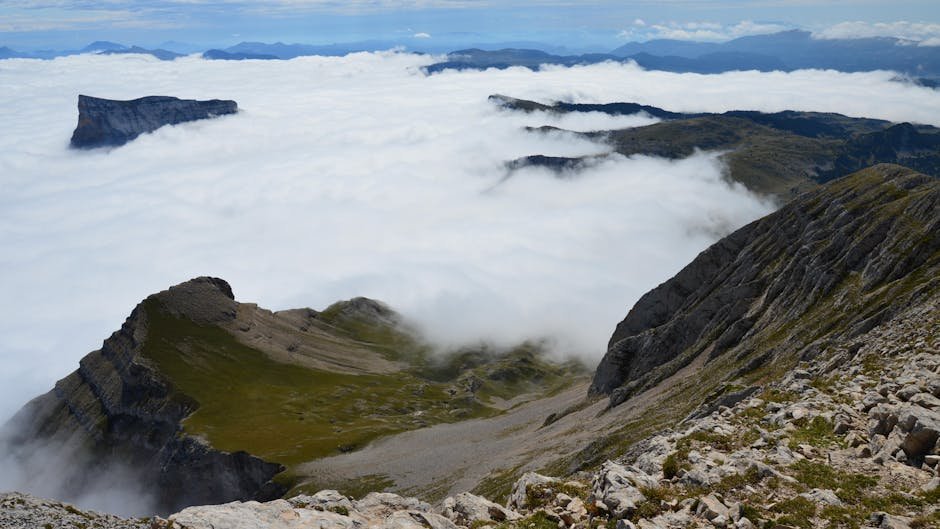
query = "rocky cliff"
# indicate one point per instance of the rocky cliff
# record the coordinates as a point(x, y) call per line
point(110, 123)
point(118, 411)
point(824, 269)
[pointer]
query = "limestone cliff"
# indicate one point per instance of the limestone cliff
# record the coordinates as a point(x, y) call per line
point(110, 123)
point(832, 264)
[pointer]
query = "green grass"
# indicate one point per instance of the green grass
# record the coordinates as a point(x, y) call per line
point(818, 432)
point(280, 412)
point(498, 485)
point(289, 414)
point(353, 488)
point(796, 511)
point(850, 487)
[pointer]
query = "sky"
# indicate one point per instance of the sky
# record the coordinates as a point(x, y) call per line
point(596, 25)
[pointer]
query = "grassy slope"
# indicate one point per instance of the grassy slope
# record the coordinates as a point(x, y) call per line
point(291, 414)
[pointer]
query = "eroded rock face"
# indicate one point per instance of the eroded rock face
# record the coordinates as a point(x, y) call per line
point(110, 123)
point(117, 415)
point(853, 250)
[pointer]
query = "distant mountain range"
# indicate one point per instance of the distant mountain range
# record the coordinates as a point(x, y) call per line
point(784, 51)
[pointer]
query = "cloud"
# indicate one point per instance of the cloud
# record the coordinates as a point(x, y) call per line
point(361, 176)
point(422, 35)
point(923, 33)
point(699, 31)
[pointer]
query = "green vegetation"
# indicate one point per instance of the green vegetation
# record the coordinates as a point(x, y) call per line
point(796, 511)
point(850, 487)
point(498, 485)
point(542, 494)
point(818, 432)
point(670, 466)
point(244, 400)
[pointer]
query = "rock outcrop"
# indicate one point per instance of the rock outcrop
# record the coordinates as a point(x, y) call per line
point(110, 123)
point(831, 265)
point(117, 413)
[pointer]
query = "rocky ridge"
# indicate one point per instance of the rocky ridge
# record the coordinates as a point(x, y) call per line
point(827, 267)
point(111, 123)
point(780, 154)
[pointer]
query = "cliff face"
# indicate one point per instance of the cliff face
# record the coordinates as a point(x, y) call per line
point(831, 265)
point(117, 409)
point(109, 123)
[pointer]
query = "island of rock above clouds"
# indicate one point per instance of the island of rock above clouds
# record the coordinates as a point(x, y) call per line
point(110, 123)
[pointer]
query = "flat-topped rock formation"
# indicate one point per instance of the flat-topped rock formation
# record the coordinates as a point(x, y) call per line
point(110, 123)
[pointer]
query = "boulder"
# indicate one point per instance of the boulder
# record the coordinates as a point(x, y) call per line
point(277, 514)
point(710, 507)
point(922, 428)
point(822, 497)
point(618, 488)
point(518, 498)
point(466, 508)
point(385, 503)
point(415, 520)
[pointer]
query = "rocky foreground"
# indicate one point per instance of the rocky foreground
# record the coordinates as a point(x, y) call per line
point(849, 440)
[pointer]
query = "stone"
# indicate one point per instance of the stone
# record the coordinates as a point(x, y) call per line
point(922, 427)
point(466, 508)
point(617, 487)
point(518, 498)
point(416, 520)
point(277, 514)
point(711, 507)
point(907, 392)
point(822, 497)
point(888, 521)
point(926, 400)
point(931, 485)
point(329, 500)
point(385, 503)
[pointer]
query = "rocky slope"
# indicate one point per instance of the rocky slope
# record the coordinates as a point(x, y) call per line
point(780, 154)
point(207, 399)
point(110, 123)
point(829, 266)
point(847, 442)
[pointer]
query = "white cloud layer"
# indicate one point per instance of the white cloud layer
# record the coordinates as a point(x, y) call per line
point(923, 33)
point(704, 31)
point(361, 176)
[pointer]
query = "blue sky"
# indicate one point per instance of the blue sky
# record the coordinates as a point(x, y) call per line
point(593, 24)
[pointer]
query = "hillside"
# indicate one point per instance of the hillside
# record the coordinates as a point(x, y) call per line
point(780, 154)
point(216, 400)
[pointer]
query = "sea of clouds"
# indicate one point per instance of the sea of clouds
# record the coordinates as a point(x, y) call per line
point(361, 175)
